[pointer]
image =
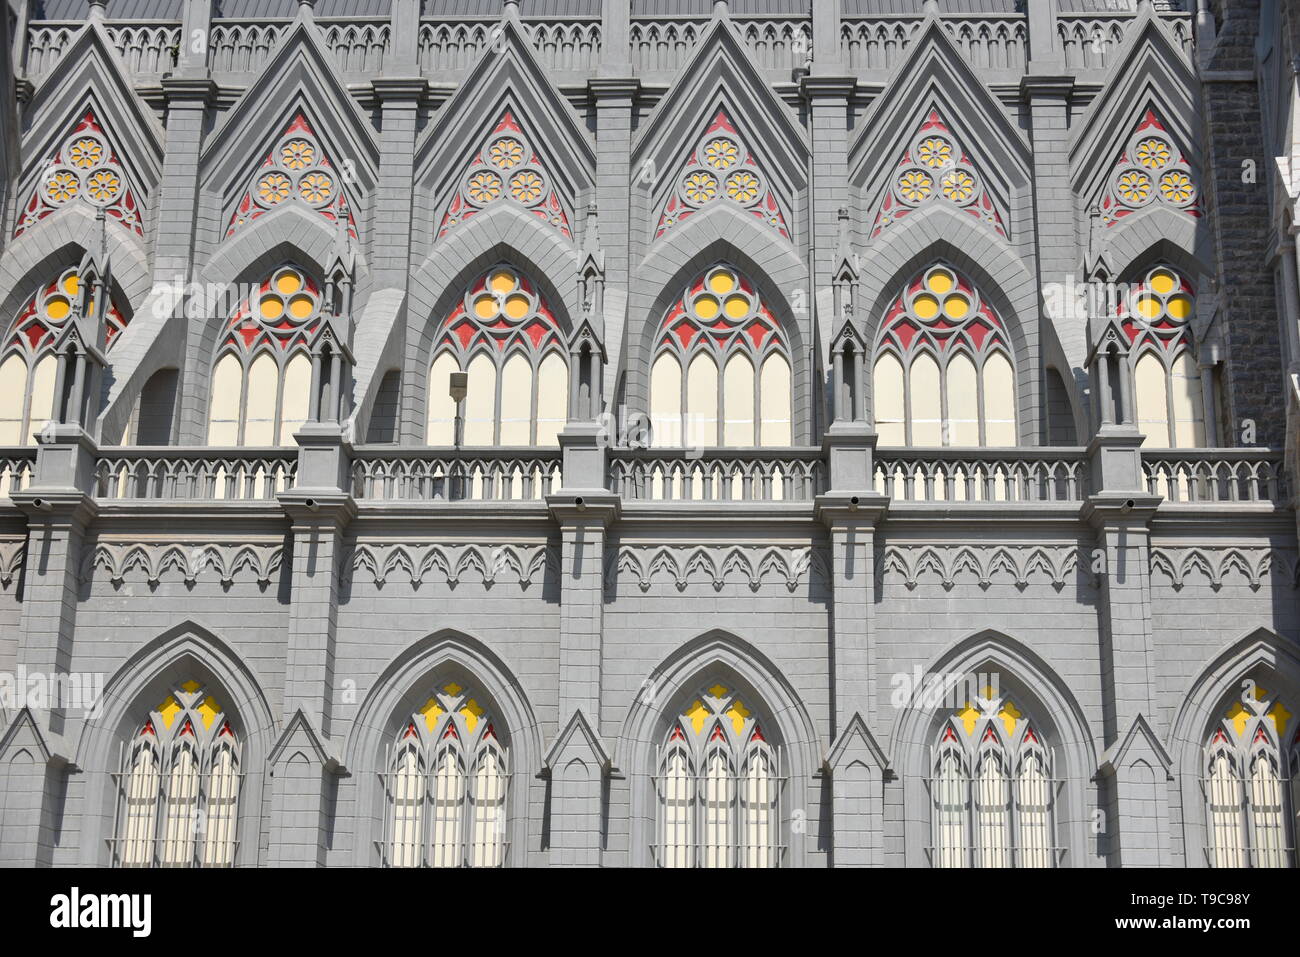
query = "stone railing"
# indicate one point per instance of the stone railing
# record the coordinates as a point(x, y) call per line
point(877, 44)
point(359, 46)
point(194, 474)
point(17, 464)
point(242, 46)
point(446, 475)
point(1091, 41)
point(1192, 476)
point(452, 46)
point(662, 45)
point(566, 46)
point(991, 43)
point(146, 49)
point(777, 44)
point(718, 475)
point(45, 45)
point(981, 475)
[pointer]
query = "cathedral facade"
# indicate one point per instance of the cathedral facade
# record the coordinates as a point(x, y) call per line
point(766, 433)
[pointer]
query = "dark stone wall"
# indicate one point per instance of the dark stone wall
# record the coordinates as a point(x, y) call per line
point(1239, 217)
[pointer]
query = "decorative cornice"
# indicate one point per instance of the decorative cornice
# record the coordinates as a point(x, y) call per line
point(711, 565)
point(187, 560)
point(1254, 564)
point(12, 555)
point(417, 563)
point(1017, 564)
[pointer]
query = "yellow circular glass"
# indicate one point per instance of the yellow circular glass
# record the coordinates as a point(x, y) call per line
point(1179, 307)
point(722, 283)
point(940, 281)
point(300, 307)
point(272, 307)
point(57, 308)
point(516, 307)
point(706, 307)
point(502, 281)
point(737, 307)
point(1148, 307)
point(287, 283)
point(71, 284)
point(956, 307)
point(1162, 283)
point(925, 306)
point(485, 307)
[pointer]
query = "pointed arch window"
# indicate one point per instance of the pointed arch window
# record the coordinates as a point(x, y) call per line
point(1168, 389)
point(261, 380)
point(505, 336)
point(992, 793)
point(28, 362)
point(446, 784)
point(1250, 784)
point(718, 786)
point(179, 785)
point(721, 375)
point(943, 372)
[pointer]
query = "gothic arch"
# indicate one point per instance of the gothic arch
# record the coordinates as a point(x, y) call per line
point(1220, 680)
point(182, 652)
point(721, 654)
point(773, 268)
point(1053, 706)
point(401, 687)
point(938, 234)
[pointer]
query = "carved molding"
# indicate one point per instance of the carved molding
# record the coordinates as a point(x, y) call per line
point(702, 564)
point(1254, 564)
point(1014, 563)
point(188, 560)
point(416, 563)
point(12, 555)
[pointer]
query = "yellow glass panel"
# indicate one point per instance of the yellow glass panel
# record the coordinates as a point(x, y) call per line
point(1163, 282)
point(774, 396)
point(42, 395)
point(300, 307)
point(925, 306)
point(999, 401)
point(940, 281)
point(223, 411)
point(963, 402)
point(480, 402)
point(517, 307)
point(552, 398)
point(57, 308)
point(1180, 307)
point(502, 281)
point(296, 401)
point(168, 710)
point(516, 401)
point(956, 307)
point(1148, 307)
point(441, 422)
point(288, 282)
point(722, 282)
point(666, 401)
point(737, 306)
point(706, 307)
point(259, 408)
point(1152, 401)
point(485, 307)
point(738, 392)
point(923, 389)
point(272, 307)
point(701, 402)
point(71, 283)
point(13, 390)
point(888, 381)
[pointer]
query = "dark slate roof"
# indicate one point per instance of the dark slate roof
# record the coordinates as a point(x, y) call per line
point(871, 8)
point(280, 9)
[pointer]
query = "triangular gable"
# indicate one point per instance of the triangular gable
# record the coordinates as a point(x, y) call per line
point(1152, 170)
point(507, 87)
point(299, 80)
point(578, 737)
point(720, 81)
point(936, 168)
point(507, 168)
point(1151, 75)
point(1139, 741)
point(721, 168)
point(856, 743)
point(935, 77)
point(298, 169)
point(300, 736)
point(84, 169)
